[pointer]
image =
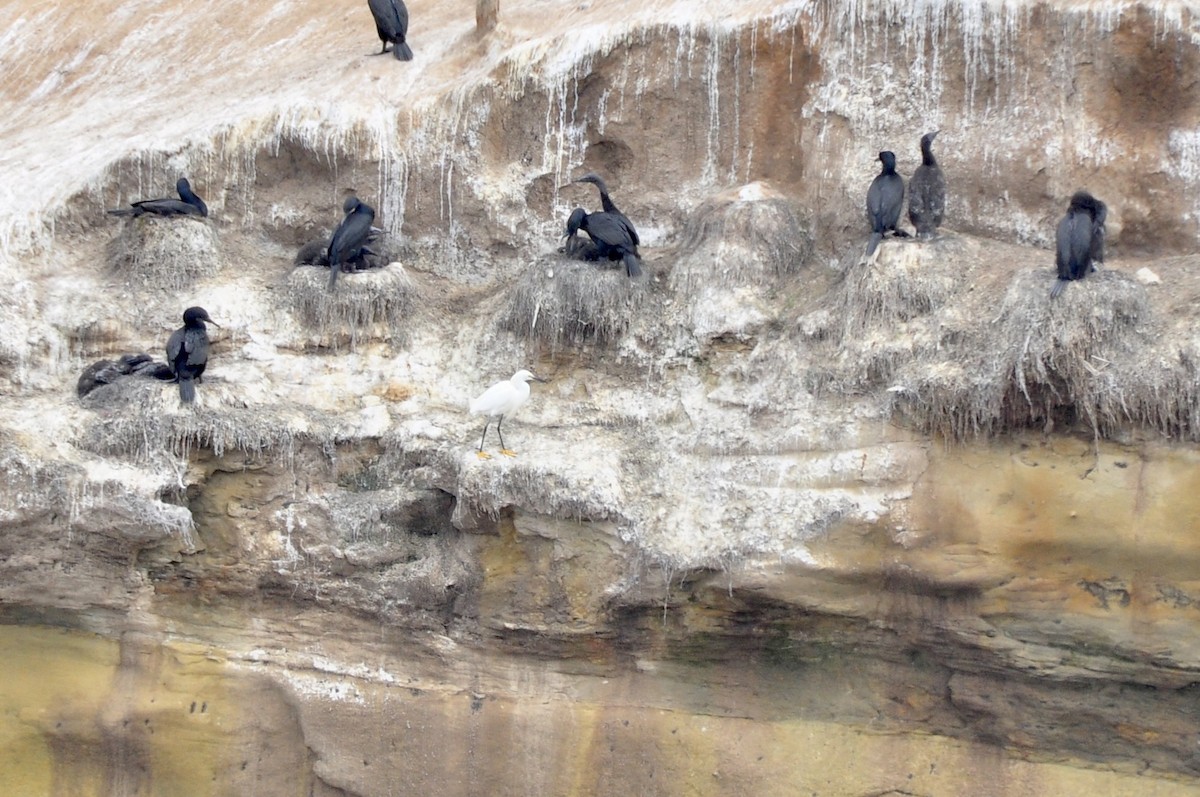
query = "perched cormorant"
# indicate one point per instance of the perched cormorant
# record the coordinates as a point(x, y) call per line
point(607, 203)
point(614, 239)
point(578, 248)
point(350, 238)
point(188, 204)
point(391, 23)
point(187, 351)
point(499, 401)
point(927, 191)
point(885, 199)
point(1080, 240)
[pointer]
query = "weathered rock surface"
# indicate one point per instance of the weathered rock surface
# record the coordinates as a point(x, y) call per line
point(781, 522)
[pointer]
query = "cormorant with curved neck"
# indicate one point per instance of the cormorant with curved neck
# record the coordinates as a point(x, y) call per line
point(607, 203)
point(614, 239)
point(350, 237)
point(576, 247)
point(187, 351)
point(391, 23)
point(1079, 240)
point(188, 204)
point(885, 200)
point(927, 191)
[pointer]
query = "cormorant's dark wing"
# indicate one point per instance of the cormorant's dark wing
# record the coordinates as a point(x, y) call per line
point(629, 228)
point(167, 207)
point(391, 18)
point(892, 200)
point(608, 229)
point(195, 343)
point(175, 349)
point(875, 204)
point(349, 237)
point(1073, 242)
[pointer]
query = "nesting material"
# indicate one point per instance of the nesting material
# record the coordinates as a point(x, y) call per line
point(742, 237)
point(1088, 356)
point(365, 305)
point(167, 253)
point(567, 302)
point(738, 248)
point(143, 420)
point(964, 340)
point(903, 285)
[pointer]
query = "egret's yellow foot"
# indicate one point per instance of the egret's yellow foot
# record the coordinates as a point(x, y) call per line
point(483, 455)
point(508, 452)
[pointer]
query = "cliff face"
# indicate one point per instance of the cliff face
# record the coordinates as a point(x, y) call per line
point(781, 521)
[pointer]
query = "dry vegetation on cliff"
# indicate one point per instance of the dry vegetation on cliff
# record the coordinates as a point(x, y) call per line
point(165, 254)
point(365, 305)
point(561, 302)
point(968, 343)
point(141, 419)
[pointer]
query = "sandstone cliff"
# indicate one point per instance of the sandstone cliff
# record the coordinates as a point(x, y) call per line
point(781, 522)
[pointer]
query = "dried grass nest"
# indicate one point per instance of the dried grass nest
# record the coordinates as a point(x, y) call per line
point(559, 301)
point(370, 304)
point(965, 346)
point(165, 253)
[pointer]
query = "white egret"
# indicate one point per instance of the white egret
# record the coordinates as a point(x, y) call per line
point(500, 400)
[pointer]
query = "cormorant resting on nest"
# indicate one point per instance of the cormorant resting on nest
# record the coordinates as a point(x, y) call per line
point(350, 237)
point(614, 238)
point(927, 191)
point(578, 248)
point(607, 203)
point(885, 199)
point(188, 204)
point(1080, 240)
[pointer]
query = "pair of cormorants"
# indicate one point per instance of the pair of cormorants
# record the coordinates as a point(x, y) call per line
point(1079, 243)
point(188, 204)
point(391, 23)
point(614, 238)
point(926, 196)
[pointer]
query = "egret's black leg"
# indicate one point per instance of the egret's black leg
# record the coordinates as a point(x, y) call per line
point(502, 446)
point(485, 426)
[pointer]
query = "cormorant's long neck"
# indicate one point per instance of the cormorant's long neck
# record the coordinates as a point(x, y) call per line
point(607, 203)
point(927, 155)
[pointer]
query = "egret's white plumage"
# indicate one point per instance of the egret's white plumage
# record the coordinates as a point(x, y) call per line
point(501, 400)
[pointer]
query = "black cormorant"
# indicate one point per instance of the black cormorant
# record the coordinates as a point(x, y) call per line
point(316, 253)
point(350, 237)
point(188, 204)
point(614, 239)
point(927, 191)
point(391, 23)
point(885, 199)
point(1080, 240)
point(106, 372)
point(576, 247)
point(187, 351)
point(607, 203)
